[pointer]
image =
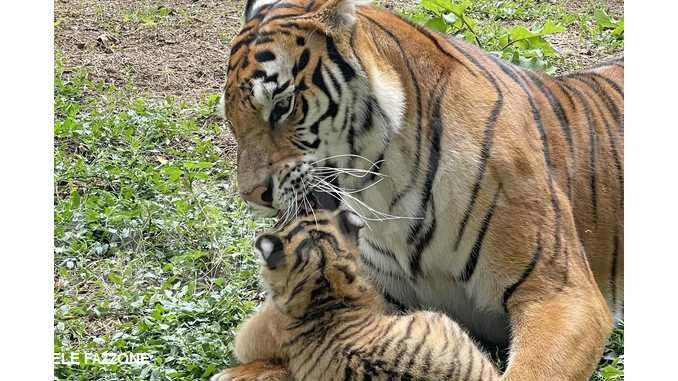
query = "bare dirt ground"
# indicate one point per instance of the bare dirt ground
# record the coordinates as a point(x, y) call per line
point(179, 48)
point(165, 48)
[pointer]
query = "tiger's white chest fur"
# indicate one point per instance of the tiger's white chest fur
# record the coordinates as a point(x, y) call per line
point(425, 278)
point(387, 256)
point(388, 251)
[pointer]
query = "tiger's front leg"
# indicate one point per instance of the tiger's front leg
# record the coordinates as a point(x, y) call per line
point(254, 371)
point(258, 350)
point(559, 334)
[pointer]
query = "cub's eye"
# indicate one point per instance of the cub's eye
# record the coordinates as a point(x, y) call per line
point(281, 110)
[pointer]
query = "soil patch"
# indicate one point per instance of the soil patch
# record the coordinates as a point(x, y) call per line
point(173, 48)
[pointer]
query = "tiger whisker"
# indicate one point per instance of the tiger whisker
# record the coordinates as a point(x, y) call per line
point(296, 202)
point(341, 201)
point(344, 155)
point(366, 187)
point(286, 216)
point(379, 216)
point(354, 172)
point(373, 165)
point(330, 178)
point(308, 203)
point(290, 212)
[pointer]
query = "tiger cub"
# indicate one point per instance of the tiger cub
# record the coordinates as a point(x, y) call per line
point(324, 320)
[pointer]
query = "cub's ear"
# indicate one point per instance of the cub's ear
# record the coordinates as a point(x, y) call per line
point(270, 249)
point(350, 224)
point(337, 15)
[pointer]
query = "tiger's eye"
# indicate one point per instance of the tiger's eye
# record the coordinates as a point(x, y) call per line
point(280, 108)
point(283, 103)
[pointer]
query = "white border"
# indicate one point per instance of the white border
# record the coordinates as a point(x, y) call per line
point(26, 273)
point(651, 190)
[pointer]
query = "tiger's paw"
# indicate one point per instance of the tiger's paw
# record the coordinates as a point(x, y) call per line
point(254, 371)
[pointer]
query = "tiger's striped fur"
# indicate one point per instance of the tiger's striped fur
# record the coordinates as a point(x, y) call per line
point(510, 181)
point(327, 322)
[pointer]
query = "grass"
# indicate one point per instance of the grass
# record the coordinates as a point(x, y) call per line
point(152, 243)
point(148, 15)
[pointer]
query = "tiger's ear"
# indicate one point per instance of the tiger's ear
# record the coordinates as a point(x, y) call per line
point(270, 249)
point(220, 107)
point(253, 6)
point(337, 15)
point(350, 224)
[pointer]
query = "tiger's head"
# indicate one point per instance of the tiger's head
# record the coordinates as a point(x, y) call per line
point(294, 90)
point(312, 262)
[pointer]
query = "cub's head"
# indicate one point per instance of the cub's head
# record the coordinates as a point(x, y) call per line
point(292, 89)
point(312, 262)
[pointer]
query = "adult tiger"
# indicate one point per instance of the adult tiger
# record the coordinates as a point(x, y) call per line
point(511, 181)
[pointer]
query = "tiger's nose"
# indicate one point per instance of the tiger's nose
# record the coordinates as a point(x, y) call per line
point(261, 194)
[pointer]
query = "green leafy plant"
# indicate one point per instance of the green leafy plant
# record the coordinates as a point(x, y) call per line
point(528, 48)
point(612, 371)
point(607, 23)
point(518, 44)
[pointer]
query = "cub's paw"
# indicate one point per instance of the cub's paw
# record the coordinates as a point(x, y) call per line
point(254, 371)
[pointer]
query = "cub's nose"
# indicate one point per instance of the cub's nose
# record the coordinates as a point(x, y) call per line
point(260, 194)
